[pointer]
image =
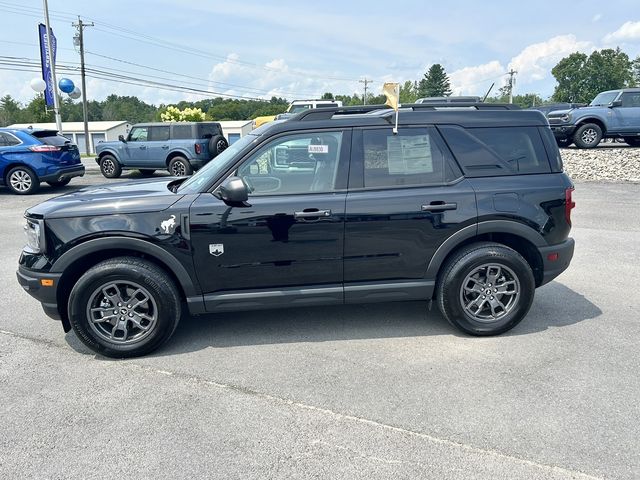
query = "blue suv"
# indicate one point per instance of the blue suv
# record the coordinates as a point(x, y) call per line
point(180, 148)
point(612, 114)
point(28, 157)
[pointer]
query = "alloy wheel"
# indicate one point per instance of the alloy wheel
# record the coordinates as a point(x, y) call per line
point(178, 169)
point(108, 167)
point(21, 181)
point(589, 136)
point(489, 292)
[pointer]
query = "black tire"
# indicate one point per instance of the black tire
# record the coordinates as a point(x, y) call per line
point(94, 294)
point(587, 135)
point(564, 142)
point(452, 295)
point(59, 183)
point(22, 180)
point(110, 167)
point(217, 145)
point(180, 167)
point(632, 141)
point(147, 172)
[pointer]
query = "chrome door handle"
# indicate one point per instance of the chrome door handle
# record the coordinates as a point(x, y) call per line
point(439, 207)
point(307, 213)
point(165, 147)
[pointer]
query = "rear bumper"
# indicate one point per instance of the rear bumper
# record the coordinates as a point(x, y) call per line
point(64, 173)
point(30, 281)
point(556, 259)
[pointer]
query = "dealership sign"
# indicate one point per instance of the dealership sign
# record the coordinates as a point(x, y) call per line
point(47, 59)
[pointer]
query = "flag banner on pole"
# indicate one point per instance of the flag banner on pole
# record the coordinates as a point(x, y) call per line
point(47, 60)
point(392, 92)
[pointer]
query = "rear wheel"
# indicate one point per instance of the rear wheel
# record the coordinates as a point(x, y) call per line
point(124, 307)
point(22, 180)
point(59, 183)
point(110, 167)
point(588, 136)
point(485, 289)
point(180, 167)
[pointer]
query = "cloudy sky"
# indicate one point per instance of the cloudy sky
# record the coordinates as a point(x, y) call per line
point(300, 49)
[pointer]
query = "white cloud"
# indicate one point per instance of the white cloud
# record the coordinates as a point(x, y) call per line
point(474, 80)
point(628, 32)
point(596, 18)
point(536, 61)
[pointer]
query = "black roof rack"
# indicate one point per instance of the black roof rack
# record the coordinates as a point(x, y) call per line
point(326, 113)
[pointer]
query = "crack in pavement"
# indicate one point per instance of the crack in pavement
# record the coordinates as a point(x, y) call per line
point(128, 364)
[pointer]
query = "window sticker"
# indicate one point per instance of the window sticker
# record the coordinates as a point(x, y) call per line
point(318, 149)
point(409, 155)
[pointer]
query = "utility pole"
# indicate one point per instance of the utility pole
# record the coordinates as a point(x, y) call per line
point(85, 114)
point(52, 64)
point(512, 82)
point(366, 82)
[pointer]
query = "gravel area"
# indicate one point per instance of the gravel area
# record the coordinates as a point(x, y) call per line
point(603, 163)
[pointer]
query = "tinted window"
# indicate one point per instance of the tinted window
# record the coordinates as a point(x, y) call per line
point(7, 140)
point(138, 134)
point(182, 132)
point(299, 108)
point(159, 134)
point(301, 163)
point(208, 130)
point(51, 138)
point(485, 152)
point(411, 157)
point(630, 99)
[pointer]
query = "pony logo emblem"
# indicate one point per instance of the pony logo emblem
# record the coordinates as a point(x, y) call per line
point(169, 224)
point(216, 249)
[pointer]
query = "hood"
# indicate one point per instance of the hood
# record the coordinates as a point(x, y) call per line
point(151, 195)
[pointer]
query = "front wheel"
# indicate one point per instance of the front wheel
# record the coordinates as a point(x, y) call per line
point(485, 289)
point(124, 307)
point(588, 136)
point(110, 167)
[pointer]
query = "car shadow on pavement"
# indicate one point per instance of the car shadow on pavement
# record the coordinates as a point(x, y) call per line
point(555, 305)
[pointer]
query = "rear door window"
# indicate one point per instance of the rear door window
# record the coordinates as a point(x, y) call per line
point(483, 152)
point(8, 140)
point(182, 132)
point(159, 133)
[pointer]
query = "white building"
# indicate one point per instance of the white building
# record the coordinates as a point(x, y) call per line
point(102, 131)
point(236, 129)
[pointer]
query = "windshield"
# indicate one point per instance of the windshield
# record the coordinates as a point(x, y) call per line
point(211, 170)
point(604, 99)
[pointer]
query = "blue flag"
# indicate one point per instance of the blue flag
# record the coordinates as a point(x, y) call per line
point(47, 60)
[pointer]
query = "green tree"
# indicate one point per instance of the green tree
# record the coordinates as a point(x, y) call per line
point(581, 78)
point(10, 111)
point(408, 92)
point(435, 83)
point(327, 96)
point(36, 111)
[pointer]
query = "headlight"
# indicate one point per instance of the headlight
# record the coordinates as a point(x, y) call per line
point(566, 117)
point(34, 231)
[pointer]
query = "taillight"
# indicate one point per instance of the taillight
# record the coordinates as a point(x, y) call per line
point(45, 148)
point(569, 204)
point(198, 149)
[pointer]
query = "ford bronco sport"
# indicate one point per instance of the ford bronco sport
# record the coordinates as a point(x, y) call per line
point(467, 206)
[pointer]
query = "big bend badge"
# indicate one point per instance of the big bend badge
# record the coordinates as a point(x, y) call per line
point(216, 249)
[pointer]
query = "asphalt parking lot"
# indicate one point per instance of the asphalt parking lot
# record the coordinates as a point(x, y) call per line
point(373, 391)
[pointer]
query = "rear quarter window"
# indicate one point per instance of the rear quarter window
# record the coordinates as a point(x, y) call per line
point(495, 151)
point(208, 130)
point(182, 132)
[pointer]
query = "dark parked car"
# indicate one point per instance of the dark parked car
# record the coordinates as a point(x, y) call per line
point(29, 157)
point(179, 147)
point(467, 208)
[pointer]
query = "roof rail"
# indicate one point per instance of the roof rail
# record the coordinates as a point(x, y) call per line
point(476, 105)
point(325, 113)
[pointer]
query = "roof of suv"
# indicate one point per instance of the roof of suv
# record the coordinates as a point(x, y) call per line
point(165, 124)
point(463, 114)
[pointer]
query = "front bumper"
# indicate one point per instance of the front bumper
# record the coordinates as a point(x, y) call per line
point(32, 283)
point(556, 259)
point(563, 132)
point(64, 173)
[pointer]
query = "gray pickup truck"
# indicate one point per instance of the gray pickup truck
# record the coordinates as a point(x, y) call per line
point(612, 114)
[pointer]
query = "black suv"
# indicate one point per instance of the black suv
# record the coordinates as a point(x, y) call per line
point(466, 205)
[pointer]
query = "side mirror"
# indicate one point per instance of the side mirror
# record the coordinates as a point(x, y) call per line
point(122, 139)
point(615, 103)
point(234, 192)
